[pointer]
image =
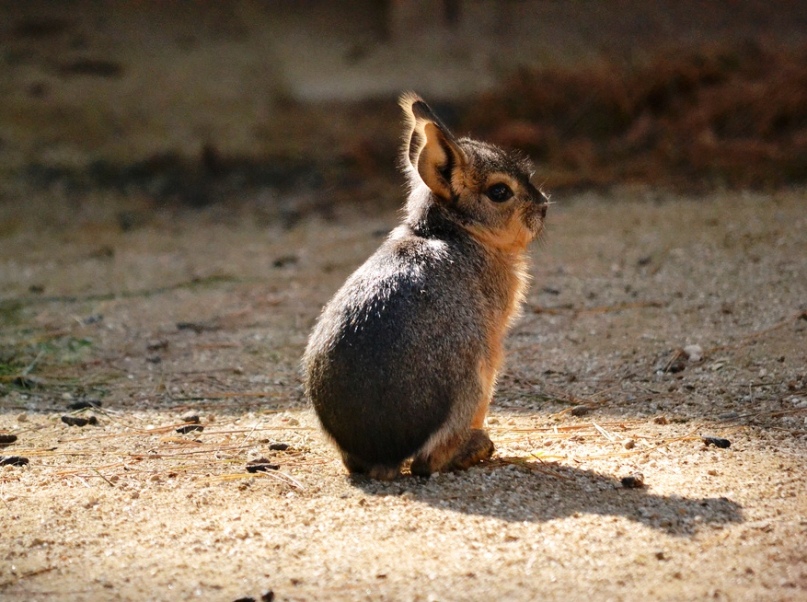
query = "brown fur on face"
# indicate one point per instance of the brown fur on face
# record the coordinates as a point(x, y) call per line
point(458, 172)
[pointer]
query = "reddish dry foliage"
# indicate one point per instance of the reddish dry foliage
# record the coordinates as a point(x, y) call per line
point(734, 116)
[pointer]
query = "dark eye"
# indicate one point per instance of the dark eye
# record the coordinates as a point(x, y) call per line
point(499, 193)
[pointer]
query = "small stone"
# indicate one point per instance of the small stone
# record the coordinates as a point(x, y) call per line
point(22, 417)
point(7, 439)
point(79, 421)
point(694, 353)
point(798, 402)
point(261, 465)
point(13, 461)
point(189, 428)
point(634, 481)
point(285, 260)
point(245, 599)
point(629, 444)
point(157, 345)
point(293, 422)
point(268, 596)
point(190, 417)
point(660, 420)
point(716, 441)
point(279, 446)
point(580, 410)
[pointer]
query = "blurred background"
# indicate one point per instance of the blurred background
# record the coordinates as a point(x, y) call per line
point(291, 105)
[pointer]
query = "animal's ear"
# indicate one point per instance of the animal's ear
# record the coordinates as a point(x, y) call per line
point(430, 148)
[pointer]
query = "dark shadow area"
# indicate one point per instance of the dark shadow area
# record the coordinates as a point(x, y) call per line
point(169, 177)
point(725, 107)
point(515, 493)
point(725, 114)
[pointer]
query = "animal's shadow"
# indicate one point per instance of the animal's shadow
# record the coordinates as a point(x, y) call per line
point(517, 493)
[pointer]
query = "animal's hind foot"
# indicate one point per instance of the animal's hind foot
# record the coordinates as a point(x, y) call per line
point(439, 459)
point(379, 472)
point(453, 456)
point(477, 448)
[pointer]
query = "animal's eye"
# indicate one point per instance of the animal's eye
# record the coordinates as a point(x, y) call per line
point(499, 193)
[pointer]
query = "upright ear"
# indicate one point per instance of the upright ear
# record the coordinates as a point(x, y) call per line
point(431, 150)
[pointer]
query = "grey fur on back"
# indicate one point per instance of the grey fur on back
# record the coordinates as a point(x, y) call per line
point(398, 347)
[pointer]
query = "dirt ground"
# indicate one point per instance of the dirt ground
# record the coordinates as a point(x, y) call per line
point(157, 263)
point(207, 312)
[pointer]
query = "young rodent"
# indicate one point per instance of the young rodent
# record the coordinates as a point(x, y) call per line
point(404, 358)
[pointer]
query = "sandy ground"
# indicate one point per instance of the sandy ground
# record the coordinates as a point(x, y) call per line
point(114, 291)
point(208, 311)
